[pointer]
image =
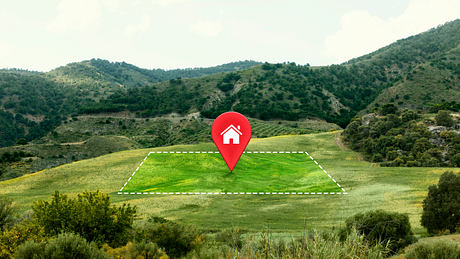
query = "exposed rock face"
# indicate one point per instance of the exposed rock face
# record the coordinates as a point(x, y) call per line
point(367, 118)
point(436, 129)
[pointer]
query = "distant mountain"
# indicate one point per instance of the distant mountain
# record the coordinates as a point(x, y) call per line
point(33, 103)
point(99, 71)
point(415, 72)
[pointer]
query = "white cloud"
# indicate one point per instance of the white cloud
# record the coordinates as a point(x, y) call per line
point(206, 28)
point(76, 15)
point(168, 2)
point(361, 32)
point(140, 27)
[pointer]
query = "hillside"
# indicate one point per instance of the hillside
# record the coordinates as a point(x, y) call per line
point(121, 74)
point(369, 187)
point(32, 103)
point(83, 137)
point(414, 72)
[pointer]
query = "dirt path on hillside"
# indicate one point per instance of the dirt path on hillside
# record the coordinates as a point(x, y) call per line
point(338, 141)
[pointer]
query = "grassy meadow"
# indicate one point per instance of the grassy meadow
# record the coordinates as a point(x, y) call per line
point(369, 186)
point(207, 172)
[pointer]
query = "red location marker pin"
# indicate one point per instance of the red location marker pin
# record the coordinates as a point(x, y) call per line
point(231, 133)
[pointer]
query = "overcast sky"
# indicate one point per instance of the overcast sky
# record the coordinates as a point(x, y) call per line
point(42, 35)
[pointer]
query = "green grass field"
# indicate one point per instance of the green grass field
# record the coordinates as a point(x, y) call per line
point(207, 172)
point(369, 187)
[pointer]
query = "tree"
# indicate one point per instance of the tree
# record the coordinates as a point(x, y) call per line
point(90, 215)
point(389, 108)
point(443, 118)
point(441, 208)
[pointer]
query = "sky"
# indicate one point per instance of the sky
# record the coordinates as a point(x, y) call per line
point(42, 35)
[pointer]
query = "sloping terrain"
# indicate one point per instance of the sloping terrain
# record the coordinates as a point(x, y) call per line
point(369, 186)
point(415, 72)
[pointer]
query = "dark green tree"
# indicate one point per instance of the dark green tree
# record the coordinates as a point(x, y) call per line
point(441, 208)
point(388, 108)
point(443, 118)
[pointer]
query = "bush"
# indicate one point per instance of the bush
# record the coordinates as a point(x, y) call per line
point(441, 208)
point(439, 249)
point(140, 250)
point(12, 238)
point(177, 240)
point(7, 213)
point(66, 245)
point(389, 108)
point(443, 118)
point(381, 226)
point(320, 245)
point(30, 250)
point(89, 215)
point(231, 237)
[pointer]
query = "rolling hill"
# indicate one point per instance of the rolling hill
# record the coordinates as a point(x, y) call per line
point(369, 187)
point(33, 104)
point(414, 73)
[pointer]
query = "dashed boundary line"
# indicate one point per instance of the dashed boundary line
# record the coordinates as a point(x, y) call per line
point(232, 193)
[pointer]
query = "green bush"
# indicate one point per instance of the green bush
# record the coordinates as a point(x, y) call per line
point(231, 237)
point(177, 240)
point(381, 226)
point(441, 208)
point(7, 213)
point(319, 245)
point(148, 250)
point(30, 250)
point(436, 249)
point(90, 215)
point(66, 245)
point(145, 250)
point(443, 118)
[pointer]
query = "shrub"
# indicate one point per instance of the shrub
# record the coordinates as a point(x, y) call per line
point(441, 208)
point(439, 249)
point(30, 250)
point(11, 239)
point(89, 215)
point(320, 245)
point(177, 240)
point(444, 118)
point(7, 213)
point(388, 108)
point(21, 141)
point(66, 245)
point(381, 226)
point(231, 237)
point(140, 250)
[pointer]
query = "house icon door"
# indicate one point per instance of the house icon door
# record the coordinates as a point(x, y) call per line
point(231, 133)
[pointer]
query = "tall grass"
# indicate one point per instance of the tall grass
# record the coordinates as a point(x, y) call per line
point(317, 245)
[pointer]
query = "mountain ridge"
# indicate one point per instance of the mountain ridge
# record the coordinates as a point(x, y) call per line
point(413, 73)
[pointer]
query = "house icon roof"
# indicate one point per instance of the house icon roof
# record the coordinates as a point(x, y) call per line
point(232, 127)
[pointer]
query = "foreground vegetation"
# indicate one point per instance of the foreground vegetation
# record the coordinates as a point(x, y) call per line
point(89, 226)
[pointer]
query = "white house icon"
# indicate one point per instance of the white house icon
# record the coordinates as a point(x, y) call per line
point(232, 133)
